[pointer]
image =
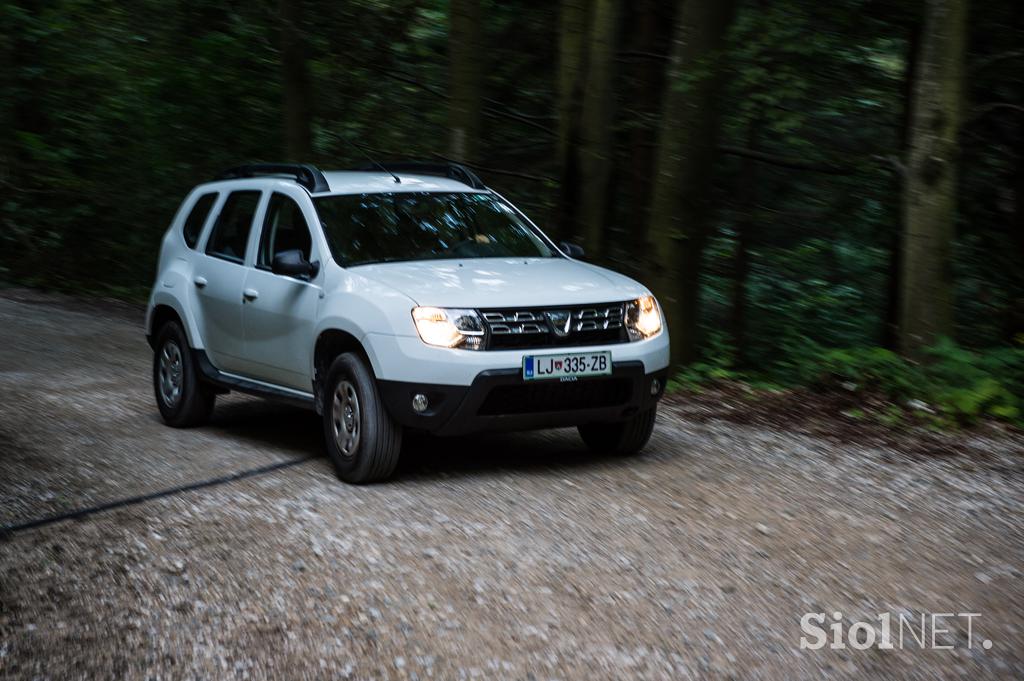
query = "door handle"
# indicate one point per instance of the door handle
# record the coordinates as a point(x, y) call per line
point(250, 294)
point(200, 281)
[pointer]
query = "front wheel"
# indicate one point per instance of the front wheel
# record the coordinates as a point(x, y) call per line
point(363, 440)
point(183, 399)
point(621, 437)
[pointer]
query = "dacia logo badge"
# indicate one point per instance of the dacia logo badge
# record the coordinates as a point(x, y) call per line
point(560, 321)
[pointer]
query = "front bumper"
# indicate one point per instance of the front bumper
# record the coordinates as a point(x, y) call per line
point(408, 359)
point(500, 399)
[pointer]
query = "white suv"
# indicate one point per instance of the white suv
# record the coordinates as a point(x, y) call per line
point(411, 297)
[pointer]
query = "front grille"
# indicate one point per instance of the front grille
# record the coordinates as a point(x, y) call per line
point(555, 326)
point(545, 396)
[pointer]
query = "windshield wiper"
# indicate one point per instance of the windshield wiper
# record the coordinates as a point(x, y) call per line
point(360, 263)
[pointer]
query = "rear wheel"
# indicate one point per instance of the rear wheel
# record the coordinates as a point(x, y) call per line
point(621, 437)
point(183, 399)
point(363, 440)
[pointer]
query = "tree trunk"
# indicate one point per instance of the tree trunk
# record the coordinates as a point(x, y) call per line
point(687, 145)
point(572, 51)
point(596, 152)
point(1015, 313)
point(25, 110)
point(746, 194)
point(298, 110)
point(891, 323)
point(465, 72)
point(1014, 324)
point(929, 193)
point(651, 32)
point(571, 55)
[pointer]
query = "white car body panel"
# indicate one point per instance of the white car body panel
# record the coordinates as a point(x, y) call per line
point(278, 328)
point(503, 282)
point(218, 308)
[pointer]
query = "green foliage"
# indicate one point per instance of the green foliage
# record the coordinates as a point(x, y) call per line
point(954, 385)
point(716, 364)
point(968, 385)
point(113, 112)
point(958, 383)
point(869, 369)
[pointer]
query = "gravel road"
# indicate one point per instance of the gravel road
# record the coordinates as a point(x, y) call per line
point(495, 557)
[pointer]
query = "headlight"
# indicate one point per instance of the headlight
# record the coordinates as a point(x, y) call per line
point(449, 328)
point(643, 318)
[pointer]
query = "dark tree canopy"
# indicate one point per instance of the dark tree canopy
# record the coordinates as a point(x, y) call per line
point(786, 175)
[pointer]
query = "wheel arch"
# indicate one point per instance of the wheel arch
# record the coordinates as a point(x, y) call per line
point(163, 314)
point(164, 307)
point(330, 343)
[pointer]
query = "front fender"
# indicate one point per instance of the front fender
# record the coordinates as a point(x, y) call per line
point(360, 306)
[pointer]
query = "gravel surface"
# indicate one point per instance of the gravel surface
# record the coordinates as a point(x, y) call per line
point(494, 557)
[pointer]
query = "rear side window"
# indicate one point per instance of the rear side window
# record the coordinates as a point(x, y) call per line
point(197, 218)
point(231, 231)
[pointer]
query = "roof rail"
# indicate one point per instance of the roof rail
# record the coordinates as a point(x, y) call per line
point(307, 175)
point(453, 171)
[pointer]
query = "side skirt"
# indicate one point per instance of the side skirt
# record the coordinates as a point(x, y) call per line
point(215, 376)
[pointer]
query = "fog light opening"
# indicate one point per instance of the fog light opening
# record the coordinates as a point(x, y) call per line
point(655, 386)
point(420, 403)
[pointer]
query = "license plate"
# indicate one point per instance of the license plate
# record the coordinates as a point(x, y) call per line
point(567, 367)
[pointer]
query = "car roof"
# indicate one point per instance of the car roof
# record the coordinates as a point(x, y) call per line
point(366, 182)
point(358, 182)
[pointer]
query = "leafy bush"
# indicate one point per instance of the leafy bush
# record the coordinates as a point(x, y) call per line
point(955, 384)
point(716, 364)
point(967, 385)
point(871, 368)
point(959, 383)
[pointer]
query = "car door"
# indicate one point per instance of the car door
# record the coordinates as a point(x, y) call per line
point(219, 279)
point(280, 320)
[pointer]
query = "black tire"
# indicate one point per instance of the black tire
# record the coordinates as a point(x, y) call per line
point(193, 402)
point(374, 446)
point(622, 437)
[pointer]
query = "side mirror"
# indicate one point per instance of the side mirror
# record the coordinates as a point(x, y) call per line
point(572, 250)
point(294, 264)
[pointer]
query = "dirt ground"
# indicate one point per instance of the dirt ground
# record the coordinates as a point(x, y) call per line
point(493, 557)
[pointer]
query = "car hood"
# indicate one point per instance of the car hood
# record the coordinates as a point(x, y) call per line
point(503, 282)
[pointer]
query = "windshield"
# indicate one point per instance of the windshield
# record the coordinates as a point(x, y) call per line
point(369, 228)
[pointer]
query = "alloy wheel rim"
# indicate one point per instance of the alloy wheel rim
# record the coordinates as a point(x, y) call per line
point(170, 373)
point(346, 417)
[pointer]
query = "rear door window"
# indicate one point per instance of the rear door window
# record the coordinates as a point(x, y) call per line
point(231, 231)
point(197, 218)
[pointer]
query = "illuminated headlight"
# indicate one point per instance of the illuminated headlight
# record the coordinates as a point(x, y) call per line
point(449, 328)
point(643, 318)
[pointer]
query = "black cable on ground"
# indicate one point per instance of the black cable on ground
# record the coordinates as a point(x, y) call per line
point(8, 530)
